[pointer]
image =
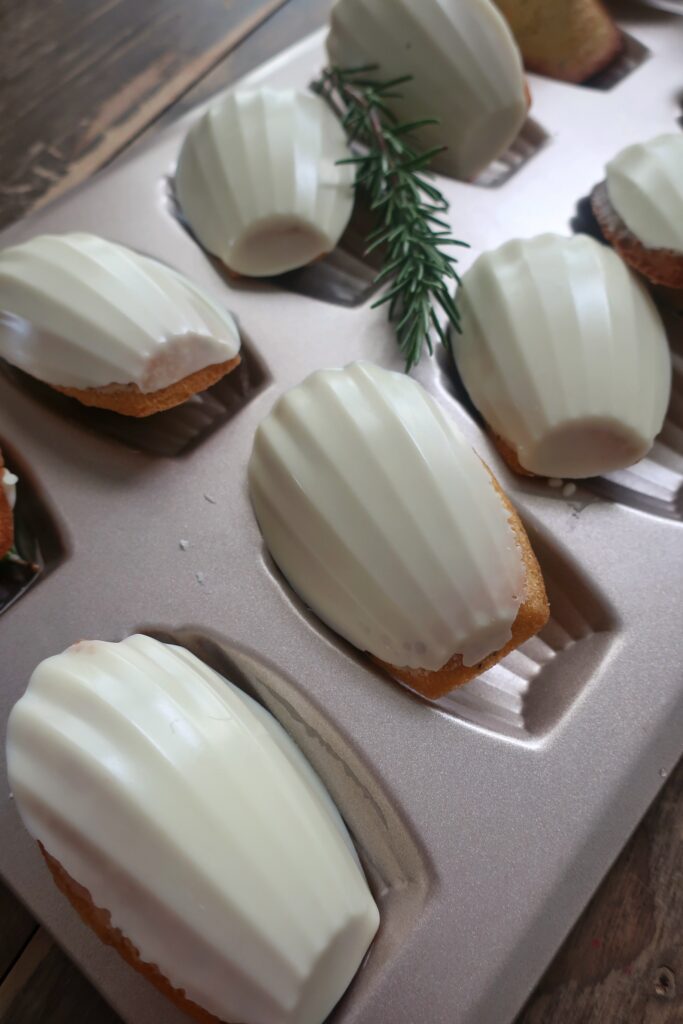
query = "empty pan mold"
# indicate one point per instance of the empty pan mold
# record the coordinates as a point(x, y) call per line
point(530, 690)
point(38, 543)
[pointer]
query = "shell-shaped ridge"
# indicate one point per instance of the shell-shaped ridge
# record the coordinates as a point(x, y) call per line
point(564, 354)
point(645, 187)
point(79, 311)
point(138, 753)
point(383, 519)
point(259, 183)
point(655, 484)
point(465, 66)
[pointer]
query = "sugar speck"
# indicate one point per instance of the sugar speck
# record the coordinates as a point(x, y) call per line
point(568, 490)
point(555, 482)
point(183, 545)
point(199, 576)
point(211, 501)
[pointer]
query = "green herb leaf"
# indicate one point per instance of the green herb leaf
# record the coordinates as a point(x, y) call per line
point(416, 271)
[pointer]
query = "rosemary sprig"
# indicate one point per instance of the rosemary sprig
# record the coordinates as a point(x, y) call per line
point(416, 271)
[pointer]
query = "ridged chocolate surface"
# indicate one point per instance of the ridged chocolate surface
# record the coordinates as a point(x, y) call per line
point(466, 68)
point(265, 161)
point(80, 311)
point(186, 811)
point(384, 520)
point(564, 354)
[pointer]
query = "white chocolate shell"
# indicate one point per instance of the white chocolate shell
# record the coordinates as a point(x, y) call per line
point(645, 187)
point(564, 354)
point(259, 183)
point(384, 520)
point(79, 311)
point(466, 67)
point(186, 811)
point(8, 483)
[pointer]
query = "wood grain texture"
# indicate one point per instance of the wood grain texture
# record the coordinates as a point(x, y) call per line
point(623, 961)
point(16, 928)
point(79, 79)
point(55, 992)
point(285, 28)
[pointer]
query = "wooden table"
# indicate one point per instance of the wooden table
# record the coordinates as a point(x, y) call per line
point(81, 80)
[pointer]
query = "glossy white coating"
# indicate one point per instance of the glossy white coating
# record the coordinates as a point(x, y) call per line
point(645, 186)
point(79, 311)
point(564, 354)
point(258, 180)
point(187, 811)
point(384, 520)
point(8, 482)
point(466, 67)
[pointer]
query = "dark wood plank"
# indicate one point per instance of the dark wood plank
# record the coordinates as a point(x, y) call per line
point(286, 27)
point(623, 961)
point(80, 79)
point(16, 928)
point(57, 993)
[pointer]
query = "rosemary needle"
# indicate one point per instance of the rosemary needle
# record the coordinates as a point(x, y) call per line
point(417, 273)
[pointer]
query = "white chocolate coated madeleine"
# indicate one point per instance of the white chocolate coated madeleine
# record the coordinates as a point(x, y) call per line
point(466, 67)
point(78, 311)
point(259, 183)
point(385, 521)
point(645, 187)
point(188, 813)
point(564, 354)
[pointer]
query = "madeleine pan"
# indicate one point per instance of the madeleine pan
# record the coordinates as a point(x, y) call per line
point(487, 820)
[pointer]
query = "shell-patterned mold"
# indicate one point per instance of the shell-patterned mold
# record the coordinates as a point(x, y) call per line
point(564, 354)
point(467, 71)
point(385, 521)
point(80, 312)
point(259, 182)
point(186, 812)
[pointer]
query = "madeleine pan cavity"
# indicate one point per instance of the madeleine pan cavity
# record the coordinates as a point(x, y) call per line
point(530, 691)
point(259, 183)
point(388, 525)
point(36, 545)
point(124, 757)
point(169, 432)
point(564, 355)
point(466, 70)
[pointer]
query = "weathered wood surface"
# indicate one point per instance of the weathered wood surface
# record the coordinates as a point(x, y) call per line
point(623, 961)
point(80, 78)
point(16, 928)
point(76, 89)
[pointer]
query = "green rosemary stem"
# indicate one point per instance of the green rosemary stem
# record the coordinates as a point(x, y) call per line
point(417, 274)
